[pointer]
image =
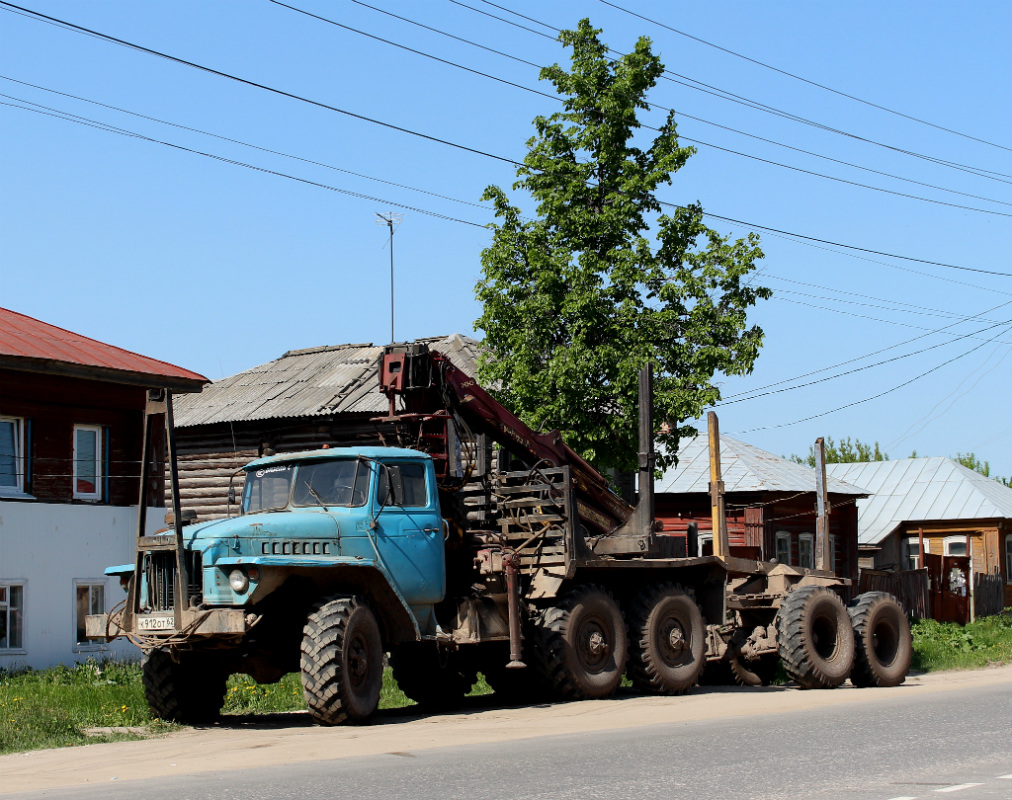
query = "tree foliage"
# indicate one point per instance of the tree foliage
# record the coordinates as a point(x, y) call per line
point(970, 461)
point(579, 299)
point(844, 452)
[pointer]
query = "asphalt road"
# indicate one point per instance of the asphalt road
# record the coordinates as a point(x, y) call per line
point(955, 744)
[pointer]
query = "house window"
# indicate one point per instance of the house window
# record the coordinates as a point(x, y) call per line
point(955, 546)
point(783, 547)
point(806, 550)
point(911, 554)
point(12, 614)
point(1008, 558)
point(87, 462)
point(89, 599)
point(12, 455)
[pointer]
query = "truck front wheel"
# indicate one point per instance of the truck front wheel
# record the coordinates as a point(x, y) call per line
point(668, 640)
point(582, 644)
point(190, 690)
point(342, 662)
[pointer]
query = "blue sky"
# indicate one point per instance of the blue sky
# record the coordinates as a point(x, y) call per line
point(169, 246)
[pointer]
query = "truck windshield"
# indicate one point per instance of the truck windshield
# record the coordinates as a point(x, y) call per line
point(267, 488)
point(331, 483)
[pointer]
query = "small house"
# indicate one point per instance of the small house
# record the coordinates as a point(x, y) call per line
point(71, 414)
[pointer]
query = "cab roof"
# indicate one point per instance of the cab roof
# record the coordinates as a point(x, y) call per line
point(335, 453)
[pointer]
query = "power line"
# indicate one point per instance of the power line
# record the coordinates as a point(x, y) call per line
point(800, 78)
point(880, 394)
point(233, 141)
point(706, 88)
point(866, 355)
point(862, 368)
point(653, 105)
point(209, 70)
point(131, 134)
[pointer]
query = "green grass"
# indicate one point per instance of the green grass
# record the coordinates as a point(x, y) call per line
point(946, 645)
point(52, 708)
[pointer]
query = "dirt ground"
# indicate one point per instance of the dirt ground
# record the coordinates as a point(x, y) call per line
point(290, 738)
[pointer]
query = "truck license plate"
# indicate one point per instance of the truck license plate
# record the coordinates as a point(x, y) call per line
point(156, 623)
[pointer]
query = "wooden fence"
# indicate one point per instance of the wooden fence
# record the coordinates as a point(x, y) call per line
point(988, 596)
point(910, 587)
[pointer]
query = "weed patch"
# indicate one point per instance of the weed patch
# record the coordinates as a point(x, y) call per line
point(947, 645)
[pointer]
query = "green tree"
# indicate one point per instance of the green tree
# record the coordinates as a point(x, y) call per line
point(844, 452)
point(970, 461)
point(579, 299)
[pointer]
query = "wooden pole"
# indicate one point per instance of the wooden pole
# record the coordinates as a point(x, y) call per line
point(969, 575)
point(719, 520)
point(822, 557)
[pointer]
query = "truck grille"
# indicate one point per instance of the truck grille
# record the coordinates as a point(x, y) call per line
point(160, 577)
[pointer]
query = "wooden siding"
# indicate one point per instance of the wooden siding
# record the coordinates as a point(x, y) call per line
point(52, 406)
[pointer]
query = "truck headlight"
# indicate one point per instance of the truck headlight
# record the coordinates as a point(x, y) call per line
point(238, 581)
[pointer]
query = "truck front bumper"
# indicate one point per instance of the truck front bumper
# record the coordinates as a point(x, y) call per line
point(195, 622)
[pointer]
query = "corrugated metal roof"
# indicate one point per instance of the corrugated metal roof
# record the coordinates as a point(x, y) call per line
point(318, 381)
point(744, 468)
point(28, 343)
point(919, 490)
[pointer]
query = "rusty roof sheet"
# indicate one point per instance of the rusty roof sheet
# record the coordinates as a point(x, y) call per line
point(921, 490)
point(317, 381)
point(29, 344)
point(744, 468)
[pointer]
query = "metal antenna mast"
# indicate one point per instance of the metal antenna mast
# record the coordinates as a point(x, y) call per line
point(389, 219)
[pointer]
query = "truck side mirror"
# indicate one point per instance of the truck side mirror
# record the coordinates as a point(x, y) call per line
point(393, 485)
point(231, 495)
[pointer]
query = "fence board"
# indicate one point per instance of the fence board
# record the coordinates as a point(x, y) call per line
point(987, 594)
point(910, 587)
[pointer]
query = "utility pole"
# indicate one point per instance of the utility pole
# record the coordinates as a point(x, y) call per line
point(717, 515)
point(822, 550)
point(389, 219)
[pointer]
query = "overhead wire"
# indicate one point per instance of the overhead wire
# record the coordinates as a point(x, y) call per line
point(880, 394)
point(140, 48)
point(731, 97)
point(742, 56)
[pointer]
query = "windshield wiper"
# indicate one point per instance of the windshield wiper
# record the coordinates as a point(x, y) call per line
point(315, 495)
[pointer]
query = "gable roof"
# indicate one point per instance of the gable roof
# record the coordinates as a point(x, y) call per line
point(29, 345)
point(919, 490)
point(743, 468)
point(318, 381)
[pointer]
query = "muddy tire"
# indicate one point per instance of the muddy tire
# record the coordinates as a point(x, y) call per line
point(342, 662)
point(759, 672)
point(667, 651)
point(581, 644)
point(816, 638)
point(434, 677)
point(190, 691)
point(883, 646)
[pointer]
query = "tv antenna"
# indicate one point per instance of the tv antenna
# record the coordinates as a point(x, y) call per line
point(389, 219)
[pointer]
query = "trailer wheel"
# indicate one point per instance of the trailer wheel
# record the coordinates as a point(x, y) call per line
point(882, 637)
point(342, 662)
point(582, 643)
point(816, 638)
point(668, 649)
point(434, 677)
point(760, 672)
point(189, 691)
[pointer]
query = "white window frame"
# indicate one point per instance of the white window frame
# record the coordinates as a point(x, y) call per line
point(1008, 558)
point(702, 539)
point(88, 645)
point(951, 540)
point(19, 458)
point(913, 552)
point(5, 606)
point(808, 538)
point(783, 536)
point(99, 453)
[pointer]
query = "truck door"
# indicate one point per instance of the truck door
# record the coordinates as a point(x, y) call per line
point(409, 531)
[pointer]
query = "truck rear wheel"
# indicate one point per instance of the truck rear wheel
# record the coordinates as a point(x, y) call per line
point(668, 649)
point(434, 677)
point(189, 691)
point(582, 644)
point(815, 637)
point(342, 662)
point(882, 638)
